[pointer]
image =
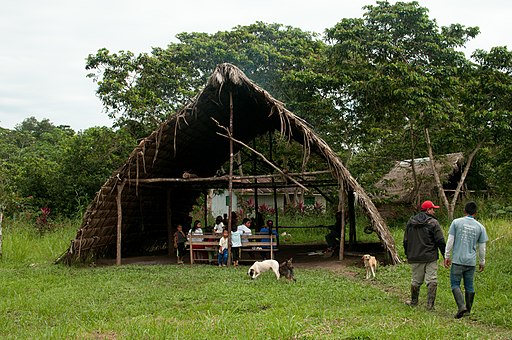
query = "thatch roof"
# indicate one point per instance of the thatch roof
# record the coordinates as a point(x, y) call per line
point(189, 142)
point(398, 183)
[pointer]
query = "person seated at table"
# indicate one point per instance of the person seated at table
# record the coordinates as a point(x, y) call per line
point(196, 230)
point(333, 238)
point(219, 226)
point(268, 229)
point(244, 227)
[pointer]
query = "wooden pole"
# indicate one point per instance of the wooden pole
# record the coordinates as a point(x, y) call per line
point(256, 206)
point(205, 208)
point(343, 212)
point(170, 241)
point(351, 219)
point(120, 188)
point(276, 208)
point(230, 183)
point(190, 243)
point(222, 178)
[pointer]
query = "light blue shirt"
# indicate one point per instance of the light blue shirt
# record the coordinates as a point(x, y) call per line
point(467, 232)
point(236, 239)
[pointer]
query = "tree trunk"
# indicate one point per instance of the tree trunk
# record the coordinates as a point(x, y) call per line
point(463, 177)
point(437, 179)
point(450, 206)
point(414, 143)
point(239, 160)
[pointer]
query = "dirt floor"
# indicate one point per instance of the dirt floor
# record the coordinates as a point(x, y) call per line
point(304, 256)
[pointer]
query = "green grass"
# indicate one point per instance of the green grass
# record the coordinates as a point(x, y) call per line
point(42, 300)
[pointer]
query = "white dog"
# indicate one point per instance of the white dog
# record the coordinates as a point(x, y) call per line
point(262, 266)
point(370, 264)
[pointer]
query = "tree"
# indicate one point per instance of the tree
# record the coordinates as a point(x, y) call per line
point(141, 91)
point(484, 118)
point(393, 73)
point(89, 159)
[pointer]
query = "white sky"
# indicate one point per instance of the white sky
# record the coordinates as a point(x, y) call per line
point(44, 43)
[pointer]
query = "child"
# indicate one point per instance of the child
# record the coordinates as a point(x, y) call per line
point(179, 243)
point(236, 244)
point(223, 249)
point(219, 225)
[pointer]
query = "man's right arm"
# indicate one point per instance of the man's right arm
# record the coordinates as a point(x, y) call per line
point(405, 239)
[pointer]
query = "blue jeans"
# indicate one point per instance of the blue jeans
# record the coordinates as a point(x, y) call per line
point(459, 272)
point(223, 257)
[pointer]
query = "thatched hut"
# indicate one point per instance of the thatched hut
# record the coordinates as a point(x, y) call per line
point(398, 184)
point(136, 209)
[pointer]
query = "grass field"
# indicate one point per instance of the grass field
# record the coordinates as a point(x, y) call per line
point(42, 300)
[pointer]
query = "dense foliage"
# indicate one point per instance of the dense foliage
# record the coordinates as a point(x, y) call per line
point(390, 85)
point(47, 166)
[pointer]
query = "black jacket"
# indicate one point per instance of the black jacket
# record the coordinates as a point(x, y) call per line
point(422, 238)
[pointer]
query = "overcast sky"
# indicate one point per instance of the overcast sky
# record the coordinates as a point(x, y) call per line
point(44, 43)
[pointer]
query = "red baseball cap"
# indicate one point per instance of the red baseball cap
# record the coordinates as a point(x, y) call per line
point(427, 205)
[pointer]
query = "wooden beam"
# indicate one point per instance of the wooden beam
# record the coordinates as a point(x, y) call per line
point(222, 178)
point(120, 188)
point(230, 185)
point(343, 213)
point(170, 241)
point(351, 219)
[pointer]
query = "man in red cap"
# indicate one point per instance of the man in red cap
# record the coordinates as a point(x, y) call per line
point(423, 239)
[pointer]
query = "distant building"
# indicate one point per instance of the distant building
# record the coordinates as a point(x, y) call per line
point(220, 199)
point(398, 184)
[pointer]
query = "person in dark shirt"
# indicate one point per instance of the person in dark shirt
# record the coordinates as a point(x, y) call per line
point(423, 239)
point(179, 243)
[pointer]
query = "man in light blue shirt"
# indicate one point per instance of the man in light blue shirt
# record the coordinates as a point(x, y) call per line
point(463, 237)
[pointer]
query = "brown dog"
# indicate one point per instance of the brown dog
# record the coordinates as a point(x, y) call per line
point(370, 264)
point(286, 269)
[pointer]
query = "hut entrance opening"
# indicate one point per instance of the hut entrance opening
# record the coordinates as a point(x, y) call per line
point(136, 210)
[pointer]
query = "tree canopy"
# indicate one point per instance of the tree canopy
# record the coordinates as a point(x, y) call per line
point(388, 86)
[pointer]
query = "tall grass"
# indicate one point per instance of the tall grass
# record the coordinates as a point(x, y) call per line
point(42, 300)
point(23, 244)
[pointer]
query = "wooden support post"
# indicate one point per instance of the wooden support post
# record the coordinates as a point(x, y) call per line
point(230, 185)
point(120, 188)
point(191, 245)
point(276, 208)
point(205, 193)
point(170, 240)
point(343, 213)
point(272, 236)
point(254, 170)
point(351, 219)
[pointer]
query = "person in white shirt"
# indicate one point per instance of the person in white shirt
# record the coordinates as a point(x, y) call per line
point(244, 227)
point(236, 244)
point(219, 225)
point(196, 230)
point(465, 236)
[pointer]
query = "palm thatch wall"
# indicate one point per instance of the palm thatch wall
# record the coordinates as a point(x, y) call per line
point(190, 142)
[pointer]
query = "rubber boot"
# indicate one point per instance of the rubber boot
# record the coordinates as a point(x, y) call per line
point(415, 292)
point(459, 299)
point(431, 295)
point(469, 301)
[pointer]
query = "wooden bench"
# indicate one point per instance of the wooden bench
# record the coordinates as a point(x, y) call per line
point(251, 244)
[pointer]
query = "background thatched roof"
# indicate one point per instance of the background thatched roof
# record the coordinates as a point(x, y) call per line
point(189, 142)
point(398, 183)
